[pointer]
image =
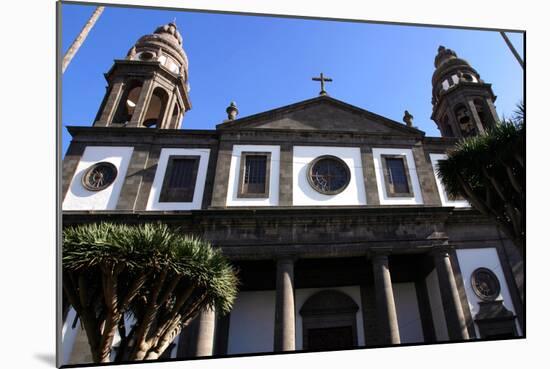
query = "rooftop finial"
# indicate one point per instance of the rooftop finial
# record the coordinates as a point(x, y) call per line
point(443, 54)
point(232, 111)
point(408, 118)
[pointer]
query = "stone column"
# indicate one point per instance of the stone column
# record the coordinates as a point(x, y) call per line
point(385, 304)
point(108, 109)
point(142, 104)
point(167, 113)
point(205, 333)
point(285, 339)
point(454, 315)
point(475, 116)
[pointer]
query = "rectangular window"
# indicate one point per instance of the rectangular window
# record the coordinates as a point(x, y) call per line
point(396, 176)
point(180, 178)
point(254, 174)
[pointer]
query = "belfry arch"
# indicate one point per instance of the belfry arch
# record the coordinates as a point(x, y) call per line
point(128, 101)
point(156, 110)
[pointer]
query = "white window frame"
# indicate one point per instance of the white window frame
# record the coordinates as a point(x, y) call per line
point(153, 201)
point(434, 159)
point(416, 199)
point(234, 173)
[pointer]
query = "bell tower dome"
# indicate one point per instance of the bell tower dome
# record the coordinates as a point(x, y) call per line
point(149, 88)
point(463, 104)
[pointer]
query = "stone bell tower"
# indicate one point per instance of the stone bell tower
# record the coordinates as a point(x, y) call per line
point(149, 88)
point(463, 105)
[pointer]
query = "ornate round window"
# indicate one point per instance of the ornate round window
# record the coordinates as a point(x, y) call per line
point(485, 284)
point(146, 55)
point(328, 175)
point(99, 176)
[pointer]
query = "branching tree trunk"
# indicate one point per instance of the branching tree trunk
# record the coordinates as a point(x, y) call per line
point(489, 171)
point(144, 282)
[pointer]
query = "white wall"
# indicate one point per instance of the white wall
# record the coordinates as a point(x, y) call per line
point(379, 170)
point(252, 323)
point(303, 194)
point(68, 336)
point(471, 259)
point(434, 158)
point(408, 314)
point(79, 198)
point(301, 296)
point(154, 204)
point(233, 185)
point(436, 306)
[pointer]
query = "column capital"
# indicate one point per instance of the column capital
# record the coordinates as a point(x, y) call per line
point(441, 251)
point(285, 258)
point(379, 255)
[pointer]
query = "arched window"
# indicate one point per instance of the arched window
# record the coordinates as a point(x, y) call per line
point(128, 102)
point(155, 110)
point(329, 321)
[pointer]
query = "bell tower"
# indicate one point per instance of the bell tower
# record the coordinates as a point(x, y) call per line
point(463, 104)
point(149, 88)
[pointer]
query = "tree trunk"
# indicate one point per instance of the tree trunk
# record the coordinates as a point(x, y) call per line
point(81, 37)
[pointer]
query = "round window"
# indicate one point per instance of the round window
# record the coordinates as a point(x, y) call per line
point(328, 175)
point(99, 176)
point(146, 55)
point(485, 284)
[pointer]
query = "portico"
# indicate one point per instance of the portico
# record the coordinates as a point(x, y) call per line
point(320, 303)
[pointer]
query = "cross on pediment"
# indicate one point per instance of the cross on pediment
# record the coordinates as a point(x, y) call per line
point(322, 79)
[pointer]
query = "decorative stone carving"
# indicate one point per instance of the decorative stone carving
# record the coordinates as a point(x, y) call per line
point(99, 176)
point(408, 118)
point(232, 111)
point(131, 53)
point(485, 284)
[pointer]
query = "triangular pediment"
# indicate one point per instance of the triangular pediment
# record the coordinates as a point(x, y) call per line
point(322, 113)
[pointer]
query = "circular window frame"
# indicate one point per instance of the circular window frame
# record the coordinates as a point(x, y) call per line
point(324, 157)
point(478, 293)
point(86, 176)
point(146, 55)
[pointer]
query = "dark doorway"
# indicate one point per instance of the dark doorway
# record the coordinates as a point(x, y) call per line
point(332, 338)
point(329, 321)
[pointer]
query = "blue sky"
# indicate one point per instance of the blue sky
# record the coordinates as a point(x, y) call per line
point(266, 62)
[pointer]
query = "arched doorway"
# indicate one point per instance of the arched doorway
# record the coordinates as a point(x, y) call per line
point(329, 321)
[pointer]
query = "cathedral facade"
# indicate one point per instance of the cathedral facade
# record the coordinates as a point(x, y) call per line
point(340, 228)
